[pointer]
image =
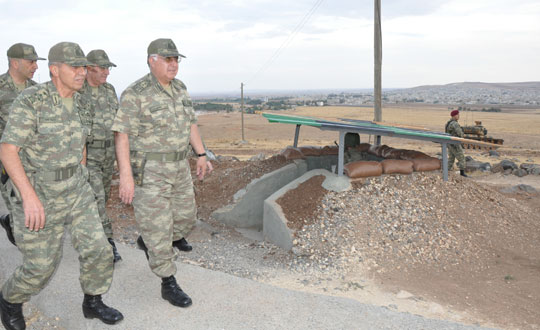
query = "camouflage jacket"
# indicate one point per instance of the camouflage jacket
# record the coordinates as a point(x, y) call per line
point(103, 109)
point(49, 135)
point(8, 93)
point(154, 120)
point(453, 128)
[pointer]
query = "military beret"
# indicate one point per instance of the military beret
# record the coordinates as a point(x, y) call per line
point(23, 51)
point(454, 112)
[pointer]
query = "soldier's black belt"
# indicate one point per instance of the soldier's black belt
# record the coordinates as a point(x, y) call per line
point(101, 144)
point(165, 156)
point(59, 174)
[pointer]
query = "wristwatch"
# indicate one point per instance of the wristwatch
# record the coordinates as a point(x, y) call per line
point(201, 155)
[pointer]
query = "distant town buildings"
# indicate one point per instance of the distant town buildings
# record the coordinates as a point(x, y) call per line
point(457, 94)
point(462, 93)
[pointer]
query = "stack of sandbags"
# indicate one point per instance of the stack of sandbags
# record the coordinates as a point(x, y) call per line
point(363, 169)
point(397, 166)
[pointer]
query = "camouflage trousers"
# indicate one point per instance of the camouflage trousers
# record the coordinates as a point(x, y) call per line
point(100, 164)
point(165, 211)
point(69, 202)
point(455, 151)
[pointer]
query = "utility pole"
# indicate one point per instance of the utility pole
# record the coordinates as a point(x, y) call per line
point(377, 90)
point(242, 109)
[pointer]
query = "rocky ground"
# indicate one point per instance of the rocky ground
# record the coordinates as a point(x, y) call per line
point(467, 247)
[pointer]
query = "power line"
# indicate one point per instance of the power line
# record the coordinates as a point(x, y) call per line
point(289, 39)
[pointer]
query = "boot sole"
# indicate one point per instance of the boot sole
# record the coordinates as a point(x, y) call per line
point(178, 305)
point(92, 316)
point(184, 249)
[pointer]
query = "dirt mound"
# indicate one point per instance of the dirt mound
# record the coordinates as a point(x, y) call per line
point(229, 176)
point(457, 242)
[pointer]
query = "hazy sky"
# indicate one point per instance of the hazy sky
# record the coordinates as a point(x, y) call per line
point(229, 42)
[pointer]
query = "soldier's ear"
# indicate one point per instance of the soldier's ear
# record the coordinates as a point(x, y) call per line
point(15, 63)
point(53, 69)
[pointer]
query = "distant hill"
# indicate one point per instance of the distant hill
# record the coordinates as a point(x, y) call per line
point(528, 85)
point(517, 93)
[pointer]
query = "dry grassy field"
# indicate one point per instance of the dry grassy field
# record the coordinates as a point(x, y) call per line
point(519, 127)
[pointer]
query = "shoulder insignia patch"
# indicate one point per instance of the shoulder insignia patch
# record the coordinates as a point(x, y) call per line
point(141, 86)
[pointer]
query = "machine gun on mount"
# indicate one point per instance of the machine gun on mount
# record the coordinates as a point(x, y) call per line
point(479, 133)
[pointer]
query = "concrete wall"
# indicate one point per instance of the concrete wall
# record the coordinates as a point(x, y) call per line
point(246, 211)
point(321, 162)
point(275, 227)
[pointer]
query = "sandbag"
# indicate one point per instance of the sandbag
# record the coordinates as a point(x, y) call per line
point(397, 166)
point(426, 164)
point(329, 150)
point(310, 151)
point(413, 154)
point(363, 169)
point(292, 153)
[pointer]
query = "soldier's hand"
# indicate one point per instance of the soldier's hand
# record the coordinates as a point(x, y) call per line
point(126, 189)
point(201, 167)
point(209, 166)
point(34, 213)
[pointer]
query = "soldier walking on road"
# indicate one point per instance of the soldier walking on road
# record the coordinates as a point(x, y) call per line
point(455, 151)
point(43, 151)
point(154, 127)
point(22, 63)
point(100, 147)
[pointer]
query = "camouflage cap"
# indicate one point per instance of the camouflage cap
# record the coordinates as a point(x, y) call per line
point(163, 47)
point(69, 53)
point(98, 57)
point(23, 51)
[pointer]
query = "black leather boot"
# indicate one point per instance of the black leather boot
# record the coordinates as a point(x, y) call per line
point(171, 292)
point(182, 245)
point(142, 246)
point(116, 255)
point(93, 307)
point(4, 222)
point(12, 315)
point(462, 173)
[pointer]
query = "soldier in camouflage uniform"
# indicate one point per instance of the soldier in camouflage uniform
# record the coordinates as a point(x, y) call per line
point(455, 151)
point(22, 61)
point(155, 126)
point(43, 150)
point(100, 147)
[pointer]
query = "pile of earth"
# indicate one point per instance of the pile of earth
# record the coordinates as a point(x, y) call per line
point(459, 243)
